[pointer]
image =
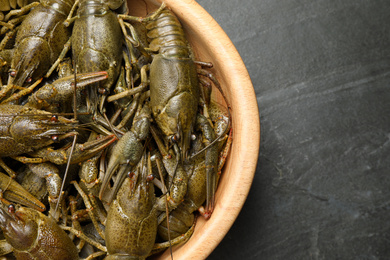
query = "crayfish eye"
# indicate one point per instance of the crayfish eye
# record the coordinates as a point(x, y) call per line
point(55, 138)
point(12, 73)
point(193, 137)
point(11, 208)
point(150, 177)
point(28, 80)
point(103, 91)
point(54, 118)
point(175, 138)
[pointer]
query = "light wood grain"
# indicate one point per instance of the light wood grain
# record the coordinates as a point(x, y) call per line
point(210, 43)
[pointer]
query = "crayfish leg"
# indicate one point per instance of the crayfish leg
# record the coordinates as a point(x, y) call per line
point(158, 247)
point(60, 58)
point(22, 92)
point(89, 208)
point(21, 11)
point(10, 172)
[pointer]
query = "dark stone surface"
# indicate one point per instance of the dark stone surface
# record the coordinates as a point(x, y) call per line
point(321, 72)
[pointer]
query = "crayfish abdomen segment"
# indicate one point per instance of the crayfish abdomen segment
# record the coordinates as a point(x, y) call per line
point(167, 36)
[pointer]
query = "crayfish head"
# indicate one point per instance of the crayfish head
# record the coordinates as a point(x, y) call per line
point(181, 143)
point(26, 66)
point(36, 128)
point(176, 120)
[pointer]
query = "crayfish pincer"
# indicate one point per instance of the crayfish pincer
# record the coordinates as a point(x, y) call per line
point(33, 235)
point(128, 151)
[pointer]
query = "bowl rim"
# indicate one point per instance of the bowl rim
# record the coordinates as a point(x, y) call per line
point(246, 123)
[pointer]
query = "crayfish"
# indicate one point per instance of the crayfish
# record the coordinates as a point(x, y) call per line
point(108, 132)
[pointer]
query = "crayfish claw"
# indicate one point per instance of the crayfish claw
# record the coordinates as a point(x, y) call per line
point(87, 150)
point(127, 151)
point(17, 194)
point(80, 153)
point(27, 230)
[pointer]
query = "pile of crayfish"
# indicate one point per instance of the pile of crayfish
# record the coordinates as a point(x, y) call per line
point(110, 142)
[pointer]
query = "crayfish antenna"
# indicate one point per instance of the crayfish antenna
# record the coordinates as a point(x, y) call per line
point(66, 173)
point(165, 191)
point(74, 138)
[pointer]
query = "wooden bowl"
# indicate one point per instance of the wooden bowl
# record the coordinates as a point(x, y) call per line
point(211, 44)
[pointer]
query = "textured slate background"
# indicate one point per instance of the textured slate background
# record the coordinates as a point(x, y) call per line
point(321, 72)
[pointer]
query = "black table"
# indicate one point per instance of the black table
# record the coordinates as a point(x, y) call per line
point(321, 73)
